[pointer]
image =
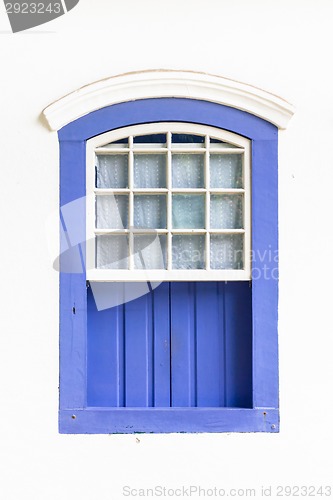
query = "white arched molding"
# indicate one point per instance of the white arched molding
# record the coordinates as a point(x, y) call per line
point(165, 83)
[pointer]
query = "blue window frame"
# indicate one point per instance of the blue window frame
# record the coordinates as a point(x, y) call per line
point(244, 395)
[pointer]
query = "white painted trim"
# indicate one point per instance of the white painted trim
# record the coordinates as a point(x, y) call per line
point(151, 275)
point(168, 83)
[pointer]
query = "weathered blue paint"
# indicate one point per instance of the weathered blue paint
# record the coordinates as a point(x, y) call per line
point(73, 305)
point(99, 384)
point(265, 282)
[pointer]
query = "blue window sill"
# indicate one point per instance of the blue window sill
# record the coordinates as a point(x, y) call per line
point(167, 420)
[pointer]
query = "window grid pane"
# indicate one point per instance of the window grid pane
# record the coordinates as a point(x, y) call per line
point(226, 211)
point(226, 171)
point(193, 220)
point(150, 251)
point(188, 251)
point(188, 211)
point(112, 171)
point(187, 171)
point(112, 212)
point(149, 171)
point(150, 211)
point(227, 251)
point(112, 252)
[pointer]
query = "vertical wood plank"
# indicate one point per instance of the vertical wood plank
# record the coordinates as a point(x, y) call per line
point(105, 355)
point(161, 319)
point(238, 344)
point(183, 355)
point(210, 344)
point(139, 361)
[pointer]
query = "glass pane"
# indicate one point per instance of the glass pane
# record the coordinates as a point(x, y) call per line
point(112, 212)
point(226, 171)
point(150, 171)
point(213, 140)
point(188, 211)
point(226, 251)
point(150, 211)
point(120, 144)
point(112, 252)
point(150, 251)
point(157, 140)
point(112, 171)
point(188, 141)
point(218, 144)
point(188, 252)
point(119, 141)
point(226, 211)
point(187, 171)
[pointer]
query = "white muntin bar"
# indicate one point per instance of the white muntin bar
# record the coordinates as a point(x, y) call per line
point(127, 231)
point(225, 151)
point(188, 151)
point(99, 231)
point(227, 190)
point(109, 151)
point(189, 231)
point(169, 201)
point(188, 190)
point(247, 216)
point(165, 275)
point(150, 191)
point(207, 211)
point(227, 231)
point(91, 262)
point(149, 150)
point(131, 202)
point(105, 191)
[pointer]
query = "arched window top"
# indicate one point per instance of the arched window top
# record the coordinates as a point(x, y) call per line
point(166, 83)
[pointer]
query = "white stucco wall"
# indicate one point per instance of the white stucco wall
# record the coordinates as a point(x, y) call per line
point(283, 46)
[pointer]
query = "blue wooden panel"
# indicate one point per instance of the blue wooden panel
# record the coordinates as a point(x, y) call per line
point(73, 325)
point(183, 344)
point(210, 336)
point(238, 344)
point(129, 352)
point(161, 323)
point(105, 360)
point(139, 359)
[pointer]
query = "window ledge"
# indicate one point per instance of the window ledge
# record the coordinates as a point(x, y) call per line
point(165, 420)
